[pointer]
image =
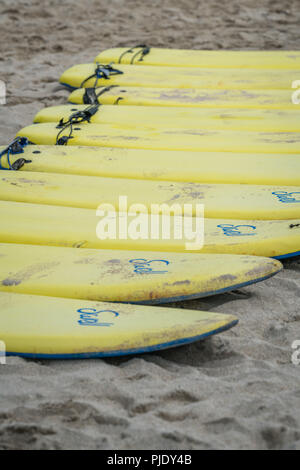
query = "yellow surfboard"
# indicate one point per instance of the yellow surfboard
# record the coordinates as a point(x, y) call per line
point(160, 165)
point(187, 97)
point(78, 228)
point(91, 75)
point(56, 328)
point(126, 276)
point(175, 118)
point(108, 135)
point(249, 60)
point(236, 201)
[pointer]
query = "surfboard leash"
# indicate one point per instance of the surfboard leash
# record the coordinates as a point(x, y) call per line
point(76, 118)
point(102, 71)
point(91, 97)
point(15, 148)
point(143, 50)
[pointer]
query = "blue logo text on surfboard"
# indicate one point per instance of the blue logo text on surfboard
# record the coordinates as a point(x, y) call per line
point(90, 317)
point(143, 266)
point(287, 198)
point(231, 230)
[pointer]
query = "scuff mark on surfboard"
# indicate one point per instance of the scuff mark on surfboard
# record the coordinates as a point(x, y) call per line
point(179, 283)
point(26, 274)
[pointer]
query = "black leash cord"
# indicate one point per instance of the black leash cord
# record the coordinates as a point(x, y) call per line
point(16, 147)
point(102, 71)
point(76, 118)
point(91, 97)
point(144, 50)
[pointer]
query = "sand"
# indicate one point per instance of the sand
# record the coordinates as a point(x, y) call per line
point(238, 390)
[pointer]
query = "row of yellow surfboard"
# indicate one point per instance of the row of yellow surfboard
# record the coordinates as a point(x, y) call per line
point(92, 195)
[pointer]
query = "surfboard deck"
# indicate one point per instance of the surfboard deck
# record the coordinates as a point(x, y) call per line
point(126, 276)
point(265, 60)
point(78, 75)
point(186, 97)
point(162, 165)
point(206, 140)
point(54, 328)
point(235, 201)
point(76, 228)
point(178, 118)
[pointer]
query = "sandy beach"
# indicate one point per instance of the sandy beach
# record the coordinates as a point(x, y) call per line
point(237, 390)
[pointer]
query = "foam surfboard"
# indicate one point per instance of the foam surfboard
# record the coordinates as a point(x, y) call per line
point(126, 276)
point(93, 75)
point(227, 201)
point(69, 227)
point(145, 55)
point(160, 165)
point(55, 328)
point(218, 200)
point(204, 140)
point(187, 97)
point(175, 118)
